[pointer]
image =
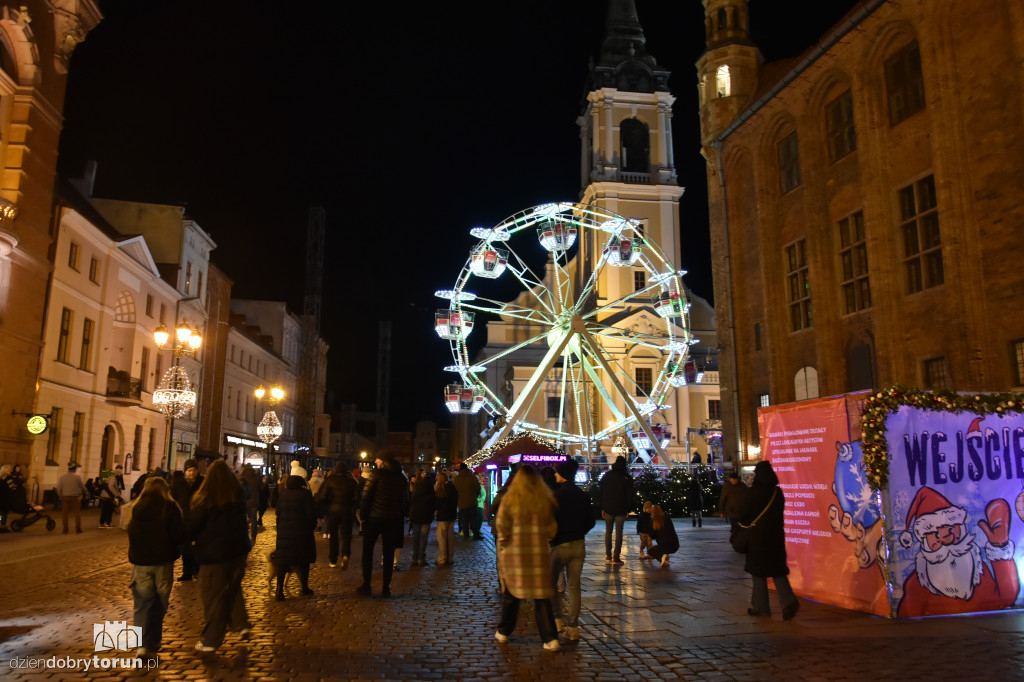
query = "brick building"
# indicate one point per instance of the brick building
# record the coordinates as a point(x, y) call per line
point(865, 204)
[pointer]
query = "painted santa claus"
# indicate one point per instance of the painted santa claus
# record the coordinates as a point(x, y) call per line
point(951, 575)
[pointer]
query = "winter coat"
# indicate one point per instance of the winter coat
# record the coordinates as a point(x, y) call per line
point(574, 516)
point(339, 494)
point(251, 486)
point(617, 491)
point(665, 538)
point(155, 532)
point(468, 486)
point(694, 495)
point(264, 500)
point(386, 494)
point(524, 557)
point(731, 501)
point(448, 506)
point(423, 503)
point(219, 534)
point(766, 556)
point(183, 492)
point(296, 521)
point(643, 524)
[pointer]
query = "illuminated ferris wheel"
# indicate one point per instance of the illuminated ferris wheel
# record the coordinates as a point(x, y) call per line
point(585, 389)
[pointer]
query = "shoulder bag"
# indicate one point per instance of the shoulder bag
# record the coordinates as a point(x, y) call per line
point(740, 538)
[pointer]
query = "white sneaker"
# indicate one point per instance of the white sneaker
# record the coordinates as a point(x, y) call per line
point(664, 559)
point(500, 637)
point(334, 565)
point(572, 633)
point(552, 645)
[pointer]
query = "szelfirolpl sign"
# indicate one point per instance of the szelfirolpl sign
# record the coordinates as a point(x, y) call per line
point(954, 482)
point(832, 521)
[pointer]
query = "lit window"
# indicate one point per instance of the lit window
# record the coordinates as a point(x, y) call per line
point(936, 373)
point(799, 284)
point(763, 401)
point(723, 83)
point(853, 257)
point(842, 137)
point(789, 163)
point(904, 83)
point(922, 243)
point(644, 380)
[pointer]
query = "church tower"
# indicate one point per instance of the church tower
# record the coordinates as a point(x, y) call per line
point(727, 71)
point(626, 140)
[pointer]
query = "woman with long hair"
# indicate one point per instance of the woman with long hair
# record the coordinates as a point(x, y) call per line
point(155, 533)
point(447, 511)
point(664, 535)
point(526, 524)
point(219, 527)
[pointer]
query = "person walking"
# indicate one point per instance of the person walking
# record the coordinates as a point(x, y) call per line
point(264, 499)
point(339, 497)
point(71, 489)
point(297, 470)
point(182, 490)
point(526, 524)
point(695, 500)
point(575, 518)
point(421, 515)
point(296, 542)
point(766, 555)
point(155, 534)
point(730, 502)
point(616, 500)
point(251, 489)
point(382, 507)
point(111, 496)
point(447, 502)
point(664, 535)
point(468, 486)
point(219, 529)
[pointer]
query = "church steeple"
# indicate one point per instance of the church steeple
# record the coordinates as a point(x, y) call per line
point(625, 64)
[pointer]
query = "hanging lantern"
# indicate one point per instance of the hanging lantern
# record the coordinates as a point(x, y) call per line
point(461, 399)
point(669, 305)
point(269, 429)
point(662, 433)
point(175, 397)
point(451, 324)
point(623, 251)
point(557, 237)
point(487, 261)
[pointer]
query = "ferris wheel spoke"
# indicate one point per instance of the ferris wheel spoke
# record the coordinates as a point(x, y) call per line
point(497, 356)
point(619, 302)
point(659, 343)
point(533, 286)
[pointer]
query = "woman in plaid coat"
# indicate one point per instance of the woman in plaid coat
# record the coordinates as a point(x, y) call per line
point(525, 525)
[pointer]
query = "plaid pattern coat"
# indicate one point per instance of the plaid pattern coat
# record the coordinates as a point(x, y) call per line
point(524, 555)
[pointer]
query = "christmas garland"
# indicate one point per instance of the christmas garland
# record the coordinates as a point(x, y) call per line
point(878, 406)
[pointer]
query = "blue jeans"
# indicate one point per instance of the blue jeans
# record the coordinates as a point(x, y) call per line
point(569, 555)
point(609, 520)
point(151, 588)
point(420, 535)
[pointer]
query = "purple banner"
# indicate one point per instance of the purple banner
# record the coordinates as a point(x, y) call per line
point(956, 484)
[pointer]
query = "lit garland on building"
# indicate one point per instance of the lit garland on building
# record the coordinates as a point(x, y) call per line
point(878, 406)
point(482, 456)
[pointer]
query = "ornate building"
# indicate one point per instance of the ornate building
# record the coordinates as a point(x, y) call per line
point(36, 41)
point(865, 204)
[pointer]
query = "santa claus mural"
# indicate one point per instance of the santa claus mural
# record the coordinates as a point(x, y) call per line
point(952, 574)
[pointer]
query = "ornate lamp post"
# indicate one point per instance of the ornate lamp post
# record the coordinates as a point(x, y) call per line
point(176, 396)
point(270, 429)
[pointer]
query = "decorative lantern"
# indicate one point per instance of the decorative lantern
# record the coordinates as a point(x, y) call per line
point(175, 397)
point(557, 237)
point(623, 251)
point(461, 399)
point(488, 261)
point(451, 324)
point(662, 432)
point(669, 305)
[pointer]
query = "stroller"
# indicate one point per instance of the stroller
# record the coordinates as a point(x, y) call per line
point(30, 517)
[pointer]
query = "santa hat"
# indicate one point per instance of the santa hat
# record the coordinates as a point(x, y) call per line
point(928, 511)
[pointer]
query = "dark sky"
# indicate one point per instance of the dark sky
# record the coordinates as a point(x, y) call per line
point(410, 123)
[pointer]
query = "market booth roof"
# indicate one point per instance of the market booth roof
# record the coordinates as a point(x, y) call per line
point(522, 447)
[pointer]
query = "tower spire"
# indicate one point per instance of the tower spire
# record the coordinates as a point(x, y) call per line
point(625, 63)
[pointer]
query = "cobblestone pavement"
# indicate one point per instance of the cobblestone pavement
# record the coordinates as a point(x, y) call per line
point(639, 621)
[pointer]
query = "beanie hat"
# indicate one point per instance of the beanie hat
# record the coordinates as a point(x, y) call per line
point(189, 464)
point(928, 511)
point(567, 469)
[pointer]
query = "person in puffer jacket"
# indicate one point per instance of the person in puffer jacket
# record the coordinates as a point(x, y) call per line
point(383, 507)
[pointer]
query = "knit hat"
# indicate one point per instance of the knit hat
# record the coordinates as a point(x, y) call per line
point(567, 469)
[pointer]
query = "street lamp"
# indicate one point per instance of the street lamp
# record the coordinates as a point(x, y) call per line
point(175, 396)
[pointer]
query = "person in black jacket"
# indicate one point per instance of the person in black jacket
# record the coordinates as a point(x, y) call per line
point(296, 544)
point(766, 556)
point(182, 489)
point(219, 528)
point(447, 501)
point(616, 500)
point(695, 500)
point(421, 515)
point(575, 518)
point(665, 537)
point(382, 508)
point(155, 534)
point(338, 499)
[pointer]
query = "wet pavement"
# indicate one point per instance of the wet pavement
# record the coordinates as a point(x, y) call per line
point(639, 621)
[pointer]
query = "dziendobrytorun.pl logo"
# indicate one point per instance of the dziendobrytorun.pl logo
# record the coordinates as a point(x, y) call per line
point(107, 636)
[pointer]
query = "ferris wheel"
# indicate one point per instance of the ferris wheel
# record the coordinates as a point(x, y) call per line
point(585, 389)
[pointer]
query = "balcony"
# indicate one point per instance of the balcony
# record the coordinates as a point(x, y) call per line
point(123, 389)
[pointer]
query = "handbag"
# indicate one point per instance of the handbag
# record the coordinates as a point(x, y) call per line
point(740, 538)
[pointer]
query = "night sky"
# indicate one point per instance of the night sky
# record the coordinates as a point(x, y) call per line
point(409, 124)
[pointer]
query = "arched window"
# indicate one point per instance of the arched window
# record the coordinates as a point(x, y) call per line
point(124, 309)
point(723, 21)
point(805, 383)
point(636, 146)
point(723, 83)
